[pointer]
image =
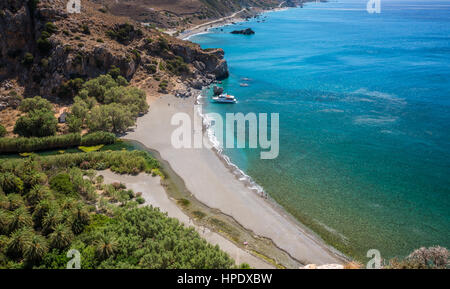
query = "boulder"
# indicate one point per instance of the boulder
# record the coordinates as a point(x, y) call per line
point(247, 31)
point(218, 90)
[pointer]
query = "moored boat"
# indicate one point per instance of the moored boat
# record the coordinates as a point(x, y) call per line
point(224, 98)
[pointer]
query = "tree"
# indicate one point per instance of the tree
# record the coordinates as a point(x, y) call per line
point(106, 246)
point(51, 219)
point(10, 183)
point(34, 103)
point(98, 120)
point(79, 108)
point(19, 240)
point(20, 218)
point(5, 221)
point(37, 123)
point(61, 237)
point(74, 123)
point(35, 249)
point(121, 118)
point(97, 87)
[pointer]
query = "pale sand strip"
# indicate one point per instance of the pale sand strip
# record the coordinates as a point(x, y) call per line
point(155, 195)
point(213, 184)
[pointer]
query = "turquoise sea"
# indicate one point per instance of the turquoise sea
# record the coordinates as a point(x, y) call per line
point(364, 104)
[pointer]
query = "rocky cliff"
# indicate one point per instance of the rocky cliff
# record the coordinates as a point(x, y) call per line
point(179, 13)
point(44, 48)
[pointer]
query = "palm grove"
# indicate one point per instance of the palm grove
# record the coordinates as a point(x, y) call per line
point(50, 204)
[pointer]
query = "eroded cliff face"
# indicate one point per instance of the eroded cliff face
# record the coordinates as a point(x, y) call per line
point(43, 47)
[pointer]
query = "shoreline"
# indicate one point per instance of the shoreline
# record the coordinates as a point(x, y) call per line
point(204, 179)
point(224, 21)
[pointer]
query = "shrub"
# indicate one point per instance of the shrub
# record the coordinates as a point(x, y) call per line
point(69, 89)
point(44, 45)
point(98, 138)
point(163, 44)
point(124, 33)
point(74, 123)
point(114, 71)
point(28, 59)
point(37, 123)
point(85, 29)
point(22, 144)
point(2, 131)
point(61, 183)
point(50, 28)
point(140, 200)
point(150, 68)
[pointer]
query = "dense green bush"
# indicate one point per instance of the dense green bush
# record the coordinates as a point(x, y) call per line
point(35, 103)
point(37, 123)
point(33, 144)
point(97, 138)
point(61, 183)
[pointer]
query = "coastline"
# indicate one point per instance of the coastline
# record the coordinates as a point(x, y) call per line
point(224, 21)
point(205, 177)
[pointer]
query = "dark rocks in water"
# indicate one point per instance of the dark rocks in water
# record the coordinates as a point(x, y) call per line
point(247, 31)
point(218, 90)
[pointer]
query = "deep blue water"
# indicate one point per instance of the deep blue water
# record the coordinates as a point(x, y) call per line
point(364, 104)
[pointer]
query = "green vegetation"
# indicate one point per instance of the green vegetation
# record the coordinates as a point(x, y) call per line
point(107, 103)
point(39, 120)
point(124, 33)
point(2, 131)
point(33, 144)
point(37, 123)
point(177, 66)
point(49, 205)
point(43, 43)
point(28, 59)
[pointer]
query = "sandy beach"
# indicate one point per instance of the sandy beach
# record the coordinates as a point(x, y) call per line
point(212, 183)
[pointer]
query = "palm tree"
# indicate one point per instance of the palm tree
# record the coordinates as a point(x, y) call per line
point(80, 217)
point(5, 221)
point(35, 249)
point(37, 194)
point(61, 237)
point(51, 219)
point(19, 240)
point(20, 218)
point(106, 247)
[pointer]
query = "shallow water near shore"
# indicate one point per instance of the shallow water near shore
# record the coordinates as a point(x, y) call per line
point(364, 106)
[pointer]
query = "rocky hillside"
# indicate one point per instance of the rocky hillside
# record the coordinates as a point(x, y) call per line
point(44, 49)
point(179, 13)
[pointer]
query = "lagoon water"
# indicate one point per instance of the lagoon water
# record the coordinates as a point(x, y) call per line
point(364, 105)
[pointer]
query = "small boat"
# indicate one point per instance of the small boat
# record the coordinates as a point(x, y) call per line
point(224, 98)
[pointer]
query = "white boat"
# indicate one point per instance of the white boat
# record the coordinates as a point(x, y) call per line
point(224, 98)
